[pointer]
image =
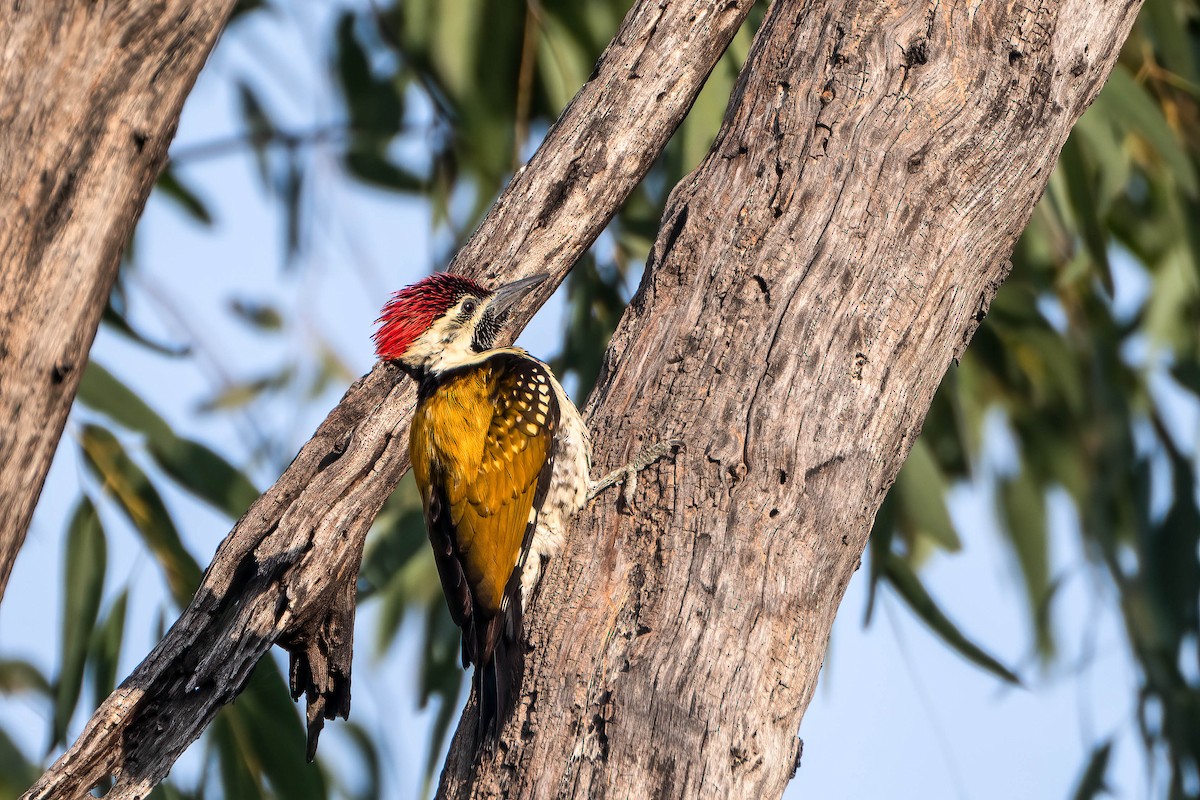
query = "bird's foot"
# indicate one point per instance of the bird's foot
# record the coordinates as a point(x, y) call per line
point(628, 473)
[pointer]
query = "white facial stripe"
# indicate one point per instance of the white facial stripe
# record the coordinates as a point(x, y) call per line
point(447, 343)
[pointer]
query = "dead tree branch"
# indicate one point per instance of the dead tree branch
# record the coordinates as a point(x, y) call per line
point(811, 283)
point(285, 572)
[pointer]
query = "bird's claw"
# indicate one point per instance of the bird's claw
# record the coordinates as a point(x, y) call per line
point(627, 474)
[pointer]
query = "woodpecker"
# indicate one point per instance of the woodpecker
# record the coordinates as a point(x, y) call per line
point(502, 459)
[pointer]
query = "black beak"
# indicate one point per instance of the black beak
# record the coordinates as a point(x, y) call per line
point(508, 295)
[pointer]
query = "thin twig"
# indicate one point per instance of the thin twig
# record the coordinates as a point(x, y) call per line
point(229, 145)
point(525, 79)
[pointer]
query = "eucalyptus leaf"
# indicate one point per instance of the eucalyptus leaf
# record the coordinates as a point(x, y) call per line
point(1023, 508)
point(18, 675)
point(17, 773)
point(100, 390)
point(921, 498)
point(1092, 782)
point(105, 649)
point(205, 474)
point(1140, 114)
point(909, 586)
point(171, 187)
point(142, 505)
point(194, 466)
point(272, 737)
point(83, 584)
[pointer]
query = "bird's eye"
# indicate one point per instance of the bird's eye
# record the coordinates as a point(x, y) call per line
point(469, 306)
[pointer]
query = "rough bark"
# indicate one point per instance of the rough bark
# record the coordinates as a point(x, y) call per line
point(812, 281)
point(285, 573)
point(89, 101)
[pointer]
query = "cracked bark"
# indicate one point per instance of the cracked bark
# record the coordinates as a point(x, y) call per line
point(812, 281)
point(285, 573)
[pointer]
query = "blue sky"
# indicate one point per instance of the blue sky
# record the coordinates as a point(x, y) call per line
point(897, 714)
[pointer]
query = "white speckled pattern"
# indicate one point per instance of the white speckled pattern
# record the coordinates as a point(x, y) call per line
point(569, 483)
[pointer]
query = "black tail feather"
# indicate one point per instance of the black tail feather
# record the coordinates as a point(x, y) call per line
point(498, 677)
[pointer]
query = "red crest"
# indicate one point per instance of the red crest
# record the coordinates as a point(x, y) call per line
point(414, 308)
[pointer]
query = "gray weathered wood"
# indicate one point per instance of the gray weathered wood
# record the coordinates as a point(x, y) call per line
point(812, 281)
point(286, 571)
point(90, 95)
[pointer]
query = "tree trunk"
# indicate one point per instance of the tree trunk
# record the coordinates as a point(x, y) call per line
point(286, 572)
point(812, 281)
point(89, 101)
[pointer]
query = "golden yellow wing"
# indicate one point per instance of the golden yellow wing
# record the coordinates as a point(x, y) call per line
point(481, 444)
point(481, 449)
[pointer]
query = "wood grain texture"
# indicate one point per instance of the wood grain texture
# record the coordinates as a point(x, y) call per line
point(89, 100)
point(812, 281)
point(286, 572)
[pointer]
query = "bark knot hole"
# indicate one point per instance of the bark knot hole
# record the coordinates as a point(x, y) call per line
point(917, 53)
point(60, 371)
point(860, 361)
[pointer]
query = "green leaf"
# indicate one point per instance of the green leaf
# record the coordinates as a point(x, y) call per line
point(260, 129)
point(231, 750)
point(18, 675)
point(83, 586)
point(1170, 29)
point(1097, 135)
point(291, 190)
point(374, 168)
point(239, 394)
point(271, 735)
point(244, 7)
point(1169, 558)
point(397, 538)
point(1127, 101)
point(174, 189)
point(143, 506)
point(116, 321)
point(263, 316)
point(17, 773)
point(906, 582)
point(1091, 783)
point(101, 391)
point(167, 791)
point(106, 648)
point(883, 530)
point(1023, 509)
point(1188, 375)
point(193, 466)
point(595, 307)
point(371, 771)
point(375, 106)
point(921, 491)
point(205, 474)
point(1073, 166)
point(414, 584)
point(563, 63)
point(700, 126)
point(441, 678)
